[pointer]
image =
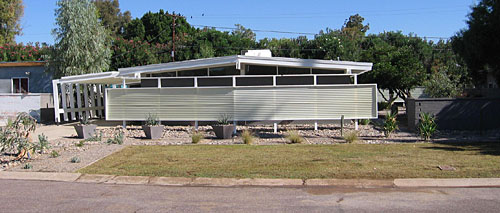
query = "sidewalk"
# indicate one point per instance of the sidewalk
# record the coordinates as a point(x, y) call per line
point(228, 182)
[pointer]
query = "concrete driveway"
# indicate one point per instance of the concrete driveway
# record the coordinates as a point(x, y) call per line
point(47, 196)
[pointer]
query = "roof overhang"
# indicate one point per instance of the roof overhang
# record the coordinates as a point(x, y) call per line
point(96, 78)
point(237, 60)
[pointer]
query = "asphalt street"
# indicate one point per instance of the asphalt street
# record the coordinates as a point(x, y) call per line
point(47, 196)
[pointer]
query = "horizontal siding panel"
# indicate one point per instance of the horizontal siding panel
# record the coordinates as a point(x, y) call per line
point(256, 103)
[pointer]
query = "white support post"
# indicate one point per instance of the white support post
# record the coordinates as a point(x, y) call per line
point(234, 81)
point(124, 123)
point(63, 100)
point(79, 101)
point(316, 126)
point(159, 82)
point(208, 71)
point(234, 123)
point(274, 80)
point(275, 127)
point(55, 93)
point(195, 82)
point(92, 100)
point(86, 100)
point(355, 79)
point(196, 125)
point(72, 101)
point(315, 77)
point(99, 99)
point(277, 70)
point(356, 126)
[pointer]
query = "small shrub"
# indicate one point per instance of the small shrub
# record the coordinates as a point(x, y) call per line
point(43, 143)
point(294, 137)
point(364, 121)
point(54, 154)
point(80, 143)
point(383, 105)
point(427, 125)
point(28, 166)
point(390, 124)
point(75, 159)
point(248, 137)
point(84, 120)
point(96, 137)
point(152, 120)
point(117, 138)
point(224, 119)
point(351, 136)
point(196, 137)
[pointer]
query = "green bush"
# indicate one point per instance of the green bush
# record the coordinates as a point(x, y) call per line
point(15, 135)
point(54, 154)
point(117, 138)
point(28, 166)
point(351, 136)
point(152, 120)
point(196, 137)
point(364, 121)
point(224, 119)
point(390, 124)
point(383, 105)
point(294, 137)
point(75, 159)
point(80, 143)
point(43, 143)
point(427, 125)
point(248, 137)
point(95, 137)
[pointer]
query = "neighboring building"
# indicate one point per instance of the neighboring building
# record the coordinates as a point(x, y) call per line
point(25, 87)
point(250, 87)
point(24, 77)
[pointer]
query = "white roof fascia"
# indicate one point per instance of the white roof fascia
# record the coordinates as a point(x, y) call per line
point(305, 63)
point(356, 67)
point(103, 78)
point(181, 65)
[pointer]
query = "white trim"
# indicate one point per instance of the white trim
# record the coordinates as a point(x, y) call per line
point(20, 86)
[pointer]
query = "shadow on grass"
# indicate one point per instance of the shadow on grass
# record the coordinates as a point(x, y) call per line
point(486, 148)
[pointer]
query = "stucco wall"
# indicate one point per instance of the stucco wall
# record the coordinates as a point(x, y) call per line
point(39, 80)
point(457, 114)
point(11, 104)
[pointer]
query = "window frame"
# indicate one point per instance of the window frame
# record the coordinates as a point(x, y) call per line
point(12, 90)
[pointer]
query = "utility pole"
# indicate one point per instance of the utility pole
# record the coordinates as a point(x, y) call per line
point(174, 17)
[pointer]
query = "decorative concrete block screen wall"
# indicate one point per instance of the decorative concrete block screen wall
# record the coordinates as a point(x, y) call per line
point(244, 103)
point(456, 114)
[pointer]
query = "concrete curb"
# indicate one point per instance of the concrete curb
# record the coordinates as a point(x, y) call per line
point(229, 182)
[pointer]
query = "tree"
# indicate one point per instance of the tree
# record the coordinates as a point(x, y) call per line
point(81, 42)
point(11, 12)
point(397, 63)
point(111, 16)
point(243, 32)
point(478, 44)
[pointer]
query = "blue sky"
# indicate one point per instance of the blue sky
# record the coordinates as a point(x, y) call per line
point(431, 18)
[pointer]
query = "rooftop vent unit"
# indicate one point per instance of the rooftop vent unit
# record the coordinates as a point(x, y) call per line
point(260, 53)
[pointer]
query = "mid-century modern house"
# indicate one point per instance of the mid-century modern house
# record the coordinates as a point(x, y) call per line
point(251, 87)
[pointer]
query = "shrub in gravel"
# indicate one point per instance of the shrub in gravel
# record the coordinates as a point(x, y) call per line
point(351, 136)
point(54, 154)
point(364, 121)
point(196, 137)
point(247, 136)
point(390, 124)
point(117, 138)
point(27, 166)
point(96, 137)
point(294, 137)
point(80, 143)
point(427, 125)
point(43, 143)
point(75, 159)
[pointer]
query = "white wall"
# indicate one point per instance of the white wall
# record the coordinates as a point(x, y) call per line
point(11, 104)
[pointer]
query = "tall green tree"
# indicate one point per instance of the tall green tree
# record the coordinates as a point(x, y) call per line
point(11, 12)
point(111, 16)
point(478, 44)
point(81, 42)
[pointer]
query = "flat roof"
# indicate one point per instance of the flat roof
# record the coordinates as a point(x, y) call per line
point(237, 60)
